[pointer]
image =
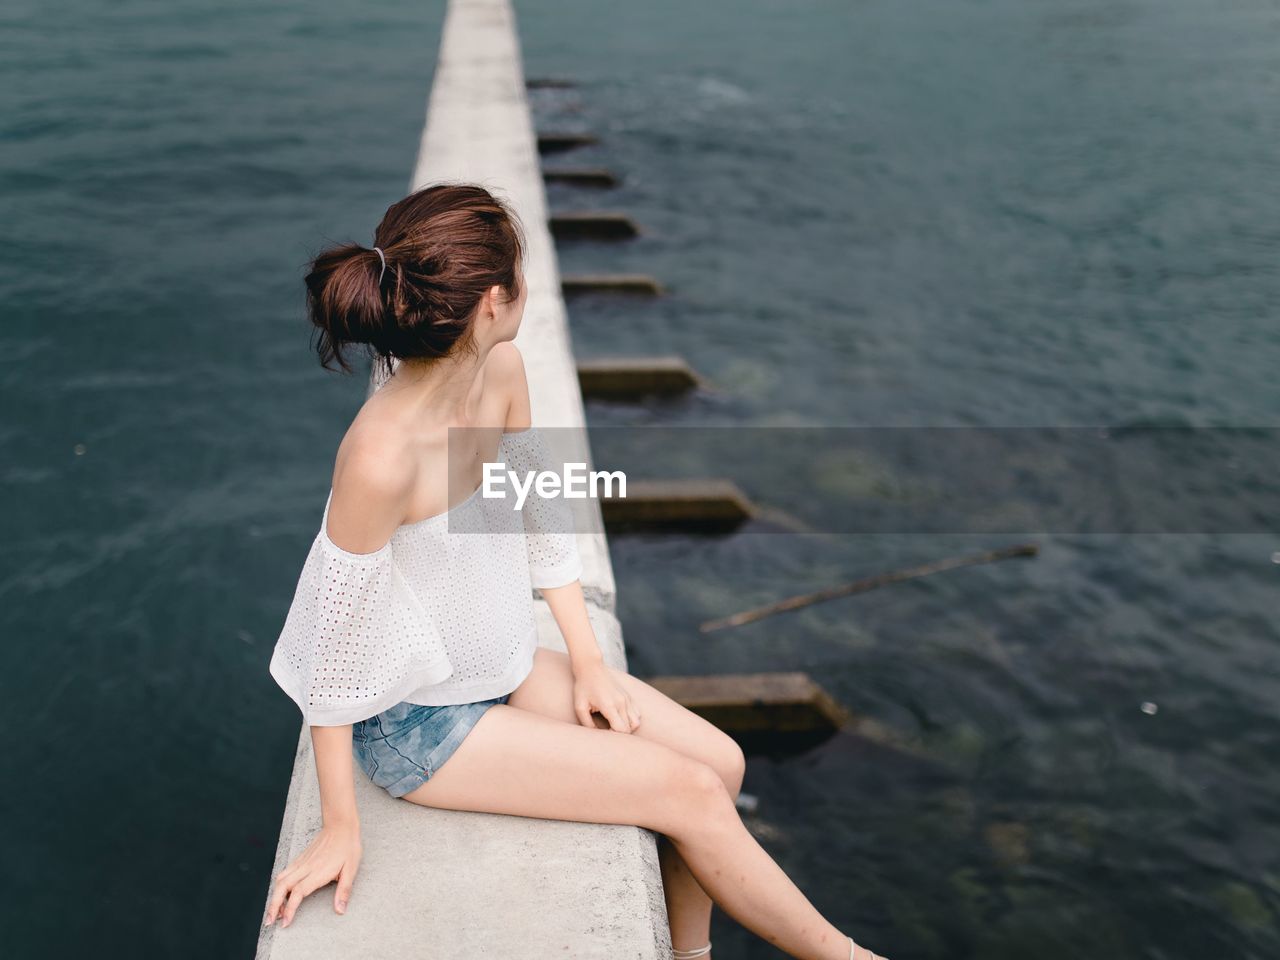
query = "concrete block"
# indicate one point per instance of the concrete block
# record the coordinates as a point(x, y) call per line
point(551, 142)
point(593, 225)
point(710, 505)
point(549, 83)
point(580, 176)
point(630, 283)
point(633, 378)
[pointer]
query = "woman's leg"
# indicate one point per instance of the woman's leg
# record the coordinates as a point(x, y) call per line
point(521, 763)
point(548, 690)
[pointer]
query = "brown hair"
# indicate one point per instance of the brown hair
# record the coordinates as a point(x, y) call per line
point(444, 245)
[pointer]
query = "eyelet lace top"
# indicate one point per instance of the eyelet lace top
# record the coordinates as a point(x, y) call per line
point(441, 613)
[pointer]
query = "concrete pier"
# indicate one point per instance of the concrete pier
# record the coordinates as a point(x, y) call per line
point(446, 884)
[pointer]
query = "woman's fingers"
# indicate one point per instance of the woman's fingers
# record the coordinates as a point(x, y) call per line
point(291, 905)
point(286, 880)
point(283, 885)
point(345, 881)
point(621, 714)
point(618, 720)
point(304, 888)
point(627, 711)
point(273, 905)
point(333, 854)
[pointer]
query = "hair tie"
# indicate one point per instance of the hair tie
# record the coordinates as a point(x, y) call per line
point(378, 251)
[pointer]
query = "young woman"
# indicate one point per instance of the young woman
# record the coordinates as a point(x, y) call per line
point(410, 643)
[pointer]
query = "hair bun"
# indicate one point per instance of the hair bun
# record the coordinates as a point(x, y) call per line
point(415, 293)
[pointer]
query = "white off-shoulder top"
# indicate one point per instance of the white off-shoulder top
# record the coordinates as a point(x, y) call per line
point(442, 613)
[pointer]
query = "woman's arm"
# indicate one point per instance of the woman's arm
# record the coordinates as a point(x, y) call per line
point(336, 774)
point(594, 687)
point(570, 610)
point(334, 853)
point(369, 494)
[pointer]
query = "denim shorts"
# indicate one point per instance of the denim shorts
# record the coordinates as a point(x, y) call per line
point(401, 747)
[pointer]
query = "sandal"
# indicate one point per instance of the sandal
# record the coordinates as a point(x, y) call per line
point(692, 954)
point(871, 956)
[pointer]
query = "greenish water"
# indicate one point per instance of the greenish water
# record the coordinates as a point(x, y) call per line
point(987, 213)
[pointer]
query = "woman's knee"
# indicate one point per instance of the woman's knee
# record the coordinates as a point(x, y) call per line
point(731, 764)
point(723, 754)
point(698, 796)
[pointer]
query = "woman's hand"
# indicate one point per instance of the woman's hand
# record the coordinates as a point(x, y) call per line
point(333, 854)
point(595, 688)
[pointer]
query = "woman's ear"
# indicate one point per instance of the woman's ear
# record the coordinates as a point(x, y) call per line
point(490, 304)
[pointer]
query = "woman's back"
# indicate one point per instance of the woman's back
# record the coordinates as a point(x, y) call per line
point(441, 611)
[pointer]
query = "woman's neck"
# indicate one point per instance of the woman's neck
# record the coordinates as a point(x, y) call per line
point(436, 390)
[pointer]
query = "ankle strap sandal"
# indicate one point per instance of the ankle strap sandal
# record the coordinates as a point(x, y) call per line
point(853, 946)
point(692, 954)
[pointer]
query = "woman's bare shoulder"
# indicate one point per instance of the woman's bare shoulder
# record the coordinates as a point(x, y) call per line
point(373, 478)
point(504, 363)
point(504, 370)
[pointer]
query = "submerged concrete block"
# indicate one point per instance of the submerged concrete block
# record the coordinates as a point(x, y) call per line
point(580, 176)
point(632, 283)
point(551, 142)
point(712, 505)
point(632, 378)
point(774, 713)
point(593, 225)
point(544, 83)
point(748, 702)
